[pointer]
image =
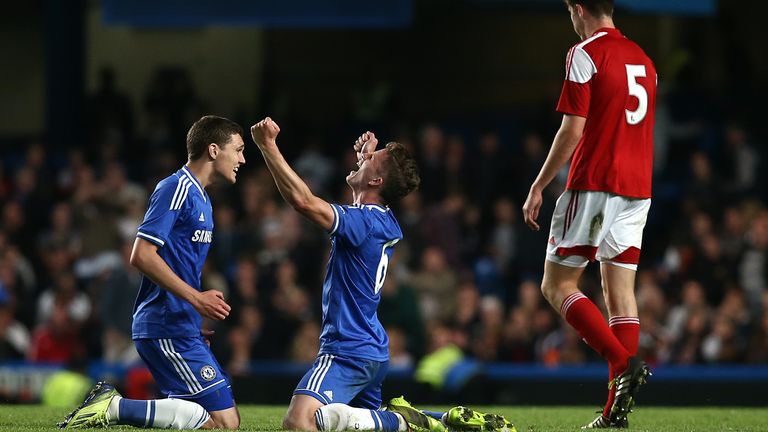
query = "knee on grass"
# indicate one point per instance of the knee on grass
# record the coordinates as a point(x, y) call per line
point(294, 422)
point(226, 422)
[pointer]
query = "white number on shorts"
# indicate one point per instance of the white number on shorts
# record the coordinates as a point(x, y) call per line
point(381, 270)
point(638, 91)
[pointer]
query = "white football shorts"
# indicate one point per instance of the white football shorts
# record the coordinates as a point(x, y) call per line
point(589, 225)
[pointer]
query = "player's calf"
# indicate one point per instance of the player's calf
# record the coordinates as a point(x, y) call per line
point(301, 413)
point(226, 419)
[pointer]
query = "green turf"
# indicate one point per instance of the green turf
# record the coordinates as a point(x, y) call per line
point(527, 419)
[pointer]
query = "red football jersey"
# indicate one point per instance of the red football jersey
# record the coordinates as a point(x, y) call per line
point(611, 82)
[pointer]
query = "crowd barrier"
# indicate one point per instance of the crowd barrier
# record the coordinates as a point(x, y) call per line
point(473, 383)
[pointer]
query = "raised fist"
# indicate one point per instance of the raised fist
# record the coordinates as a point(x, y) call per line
point(365, 144)
point(265, 132)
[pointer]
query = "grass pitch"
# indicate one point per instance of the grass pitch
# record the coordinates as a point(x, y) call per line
point(527, 419)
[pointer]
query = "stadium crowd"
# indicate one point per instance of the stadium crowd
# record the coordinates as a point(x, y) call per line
point(466, 273)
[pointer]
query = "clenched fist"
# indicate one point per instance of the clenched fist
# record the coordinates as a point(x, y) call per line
point(265, 132)
point(365, 144)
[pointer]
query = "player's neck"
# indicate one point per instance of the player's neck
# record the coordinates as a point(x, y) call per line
point(202, 172)
point(592, 26)
point(366, 197)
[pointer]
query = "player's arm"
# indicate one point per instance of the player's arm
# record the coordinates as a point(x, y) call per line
point(145, 258)
point(564, 144)
point(293, 189)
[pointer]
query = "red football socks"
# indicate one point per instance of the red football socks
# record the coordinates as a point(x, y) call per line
point(586, 318)
point(627, 331)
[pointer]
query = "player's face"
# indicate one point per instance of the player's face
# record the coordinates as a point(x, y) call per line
point(229, 159)
point(370, 168)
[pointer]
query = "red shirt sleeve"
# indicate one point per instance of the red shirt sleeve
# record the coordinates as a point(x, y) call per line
point(576, 92)
point(574, 99)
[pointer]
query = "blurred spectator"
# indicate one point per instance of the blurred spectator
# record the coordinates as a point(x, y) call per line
point(692, 300)
point(246, 282)
point(61, 233)
point(109, 110)
point(711, 268)
point(455, 169)
point(224, 250)
point(686, 348)
point(532, 158)
point(753, 266)
point(18, 278)
point(97, 225)
point(732, 235)
point(246, 340)
point(722, 344)
point(171, 104)
point(57, 340)
point(489, 170)
point(13, 222)
point(440, 227)
point(117, 290)
point(485, 342)
point(741, 161)
point(430, 159)
point(118, 191)
point(703, 187)
point(278, 232)
point(472, 234)
point(399, 308)
point(518, 343)
point(398, 353)
point(306, 343)
point(467, 314)
point(14, 336)
point(65, 294)
point(504, 234)
point(757, 351)
point(290, 309)
point(315, 168)
point(563, 346)
point(435, 283)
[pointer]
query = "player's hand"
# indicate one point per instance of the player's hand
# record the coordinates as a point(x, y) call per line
point(210, 304)
point(364, 145)
point(206, 334)
point(531, 208)
point(264, 133)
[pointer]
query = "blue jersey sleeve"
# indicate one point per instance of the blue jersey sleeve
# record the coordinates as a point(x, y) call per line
point(350, 224)
point(164, 209)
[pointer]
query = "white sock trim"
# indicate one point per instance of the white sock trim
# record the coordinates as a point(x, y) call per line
point(623, 320)
point(179, 414)
point(569, 301)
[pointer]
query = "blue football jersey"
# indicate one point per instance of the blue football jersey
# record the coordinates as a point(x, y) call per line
point(179, 221)
point(362, 242)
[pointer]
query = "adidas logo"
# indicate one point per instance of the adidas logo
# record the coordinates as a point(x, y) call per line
point(551, 239)
point(201, 218)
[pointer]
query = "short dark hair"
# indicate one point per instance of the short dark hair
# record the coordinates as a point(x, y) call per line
point(401, 175)
point(595, 7)
point(210, 129)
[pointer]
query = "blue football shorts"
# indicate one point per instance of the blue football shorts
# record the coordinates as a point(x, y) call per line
point(340, 379)
point(185, 368)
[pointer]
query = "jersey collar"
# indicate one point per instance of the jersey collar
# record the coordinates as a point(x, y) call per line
point(188, 173)
point(610, 30)
point(378, 207)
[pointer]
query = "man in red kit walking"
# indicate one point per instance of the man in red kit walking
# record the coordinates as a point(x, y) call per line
point(607, 102)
